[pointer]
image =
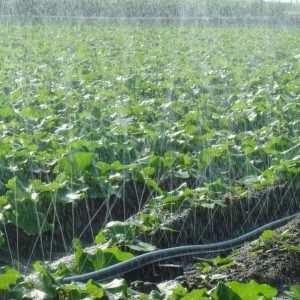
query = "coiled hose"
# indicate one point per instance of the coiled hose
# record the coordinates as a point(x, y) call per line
point(140, 261)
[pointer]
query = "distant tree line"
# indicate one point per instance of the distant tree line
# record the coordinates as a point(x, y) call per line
point(142, 8)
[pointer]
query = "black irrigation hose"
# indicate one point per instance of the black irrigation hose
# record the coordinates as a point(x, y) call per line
point(140, 261)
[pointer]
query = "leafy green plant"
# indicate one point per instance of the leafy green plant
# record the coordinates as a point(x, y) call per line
point(294, 292)
point(8, 278)
point(123, 234)
point(225, 291)
point(252, 290)
point(275, 241)
point(86, 262)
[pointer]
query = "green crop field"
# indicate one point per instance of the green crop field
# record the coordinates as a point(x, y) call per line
point(149, 120)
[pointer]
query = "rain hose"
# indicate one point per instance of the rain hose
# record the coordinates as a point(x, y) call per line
point(141, 261)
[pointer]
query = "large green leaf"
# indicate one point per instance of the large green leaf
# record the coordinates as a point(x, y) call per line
point(93, 290)
point(224, 292)
point(8, 278)
point(196, 295)
point(101, 258)
point(76, 163)
point(26, 216)
point(252, 290)
point(116, 289)
point(295, 290)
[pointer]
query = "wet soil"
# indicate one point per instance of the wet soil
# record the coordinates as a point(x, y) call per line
point(271, 265)
point(281, 269)
point(274, 265)
point(200, 225)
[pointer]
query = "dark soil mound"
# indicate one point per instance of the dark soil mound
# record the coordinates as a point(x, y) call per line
point(202, 225)
point(265, 262)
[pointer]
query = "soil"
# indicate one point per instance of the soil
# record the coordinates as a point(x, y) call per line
point(278, 268)
point(274, 266)
point(202, 225)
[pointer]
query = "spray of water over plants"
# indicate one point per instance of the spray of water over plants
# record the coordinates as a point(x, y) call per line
point(132, 126)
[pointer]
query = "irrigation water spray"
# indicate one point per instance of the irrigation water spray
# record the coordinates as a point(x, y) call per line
point(143, 124)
